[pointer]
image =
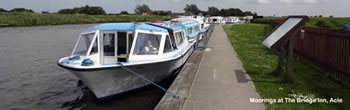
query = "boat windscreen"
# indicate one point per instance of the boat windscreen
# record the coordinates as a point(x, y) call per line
point(83, 44)
point(147, 44)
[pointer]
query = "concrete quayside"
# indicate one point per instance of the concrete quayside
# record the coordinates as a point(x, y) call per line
point(212, 79)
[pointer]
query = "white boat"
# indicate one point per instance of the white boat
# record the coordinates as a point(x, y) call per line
point(216, 20)
point(232, 20)
point(199, 19)
point(152, 49)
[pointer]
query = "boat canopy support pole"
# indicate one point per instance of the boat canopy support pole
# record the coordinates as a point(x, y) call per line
point(140, 76)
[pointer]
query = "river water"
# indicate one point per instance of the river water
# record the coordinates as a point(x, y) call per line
point(31, 80)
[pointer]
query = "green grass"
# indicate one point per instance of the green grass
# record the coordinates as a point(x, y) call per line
point(331, 23)
point(325, 22)
point(266, 20)
point(261, 62)
point(32, 19)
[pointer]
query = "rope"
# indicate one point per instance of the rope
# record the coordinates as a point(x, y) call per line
point(142, 77)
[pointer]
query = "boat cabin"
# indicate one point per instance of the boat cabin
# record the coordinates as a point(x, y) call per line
point(191, 27)
point(131, 43)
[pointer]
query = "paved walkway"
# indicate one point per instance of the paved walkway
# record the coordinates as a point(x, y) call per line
point(221, 82)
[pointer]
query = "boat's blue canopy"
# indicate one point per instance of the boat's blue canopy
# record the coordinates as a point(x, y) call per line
point(184, 23)
point(189, 23)
point(169, 25)
point(125, 27)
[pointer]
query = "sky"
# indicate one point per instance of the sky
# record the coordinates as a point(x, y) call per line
point(337, 8)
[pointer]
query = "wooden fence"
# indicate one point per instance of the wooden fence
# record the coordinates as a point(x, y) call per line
point(327, 47)
point(330, 48)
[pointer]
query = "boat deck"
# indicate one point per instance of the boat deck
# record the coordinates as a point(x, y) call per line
point(213, 79)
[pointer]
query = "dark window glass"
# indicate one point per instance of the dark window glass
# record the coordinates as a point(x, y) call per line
point(179, 38)
point(147, 44)
point(108, 44)
point(131, 39)
point(94, 48)
point(167, 46)
point(83, 44)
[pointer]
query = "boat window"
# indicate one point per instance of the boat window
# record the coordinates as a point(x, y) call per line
point(182, 36)
point(94, 48)
point(172, 39)
point(147, 44)
point(197, 28)
point(83, 44)
point(130, 39)
point(108, 44)
point(167, 46)
point(189, 30)
point(122, 43)
point(179, 38)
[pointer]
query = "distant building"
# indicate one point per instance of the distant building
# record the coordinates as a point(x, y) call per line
point(147, 13)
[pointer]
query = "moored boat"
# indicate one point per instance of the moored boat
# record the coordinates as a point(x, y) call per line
point(232, 20)
point(152, 49)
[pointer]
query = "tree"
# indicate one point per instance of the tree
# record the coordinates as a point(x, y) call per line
point(124, 12)
point(231, 12)
point(255, 14)
point(162, 13)
point(248, 13)
point(223, 12)
point(21, 10)
point(90, 10)
point(45, 12)
point(191, 9)
point(66, 11)
point(169, 12)
point(94, 10)
point(213, 11)
point(236, 12)
point(142, 9)
point(3, 10)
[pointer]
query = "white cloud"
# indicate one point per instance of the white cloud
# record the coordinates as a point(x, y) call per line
point(287, 1)
point(299, 1)
point(311, 1)
point(177, 1)
point(263, 1)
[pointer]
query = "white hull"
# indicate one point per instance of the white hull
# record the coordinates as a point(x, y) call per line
point(115, 80)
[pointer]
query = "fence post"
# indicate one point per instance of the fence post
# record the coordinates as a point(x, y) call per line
point(289, 68)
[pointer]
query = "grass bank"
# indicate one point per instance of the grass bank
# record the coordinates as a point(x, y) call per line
point(261, 62)
point(331, 23)
point(33, 19)
point(266, 20)
point(324, 22)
